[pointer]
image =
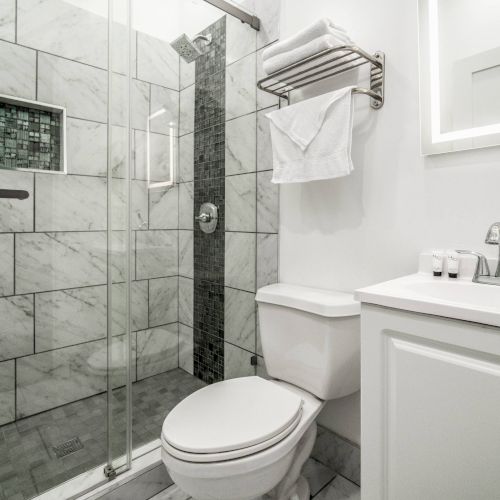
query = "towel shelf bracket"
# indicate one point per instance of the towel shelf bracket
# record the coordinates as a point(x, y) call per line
point(326, 64)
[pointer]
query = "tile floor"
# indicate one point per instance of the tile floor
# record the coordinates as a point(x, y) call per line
point(28, 462)
point(325, 484)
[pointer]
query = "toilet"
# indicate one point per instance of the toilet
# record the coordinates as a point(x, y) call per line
point(247, 437)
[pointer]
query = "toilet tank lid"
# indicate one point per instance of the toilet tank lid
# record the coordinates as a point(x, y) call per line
point(329, 303)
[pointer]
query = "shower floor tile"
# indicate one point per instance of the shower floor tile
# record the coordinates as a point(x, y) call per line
point(28, 463)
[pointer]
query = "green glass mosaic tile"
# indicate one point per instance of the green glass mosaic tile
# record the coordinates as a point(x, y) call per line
point(30, 138)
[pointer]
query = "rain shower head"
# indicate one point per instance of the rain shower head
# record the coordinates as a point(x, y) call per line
point(187, 48)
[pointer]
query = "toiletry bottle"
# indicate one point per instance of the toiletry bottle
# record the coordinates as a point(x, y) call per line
point(452, 264)
point(437, 262)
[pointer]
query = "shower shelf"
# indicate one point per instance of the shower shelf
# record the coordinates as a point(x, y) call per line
point(325, 64)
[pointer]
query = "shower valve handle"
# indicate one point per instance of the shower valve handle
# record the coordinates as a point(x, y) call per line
point(204, 217)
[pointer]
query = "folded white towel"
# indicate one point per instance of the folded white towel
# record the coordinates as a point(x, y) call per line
point(315, 46)
point(312, 139)
point(315, 30)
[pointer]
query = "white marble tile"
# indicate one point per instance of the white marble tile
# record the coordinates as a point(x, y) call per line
point(241, 87)
point(16, 328)
point(118, 255)
point(86, 147)
point(172, 493)
point(186, 157)
point(186, 110)
point(54, 261)
point(17, 71)
point(164, 208)
point(239, 318)
point(167, 100)
point(81, 89)
point(186, 301)
point(7, 392)
point(139, 308)
point(237, 362)
point(157, 62)
point(260, 369)
point(241, 39)
point(186, 205)
point(157, 350)
point(240, 203)
point(163, 301)
point(120, 46)
point(186, 361)
point(159, 156)
point(69, 317)
point(339, 489)
point(269, 15)
point(81, 35)
point(156, 254)
point(264, 99)
point(188, 73)
point(58, 377)
point(138, 200)
point(267, 259)
point(140, 104)
point(317, 475)
point(70, 203)
point(8, 20)
point(186, 249)
point(240, 261)
point(258, 340)
point(119, 151)
point(17, 215)
point(7, 264)
point(264, 146)
point(241, 149)
point(267, 203)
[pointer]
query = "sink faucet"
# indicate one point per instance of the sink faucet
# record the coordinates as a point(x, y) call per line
point(493, 238)
point(482, 267)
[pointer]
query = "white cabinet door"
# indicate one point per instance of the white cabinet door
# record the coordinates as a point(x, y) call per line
point(430, 396)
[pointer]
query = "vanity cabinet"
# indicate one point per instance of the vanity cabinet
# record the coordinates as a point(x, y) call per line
point(430, 407)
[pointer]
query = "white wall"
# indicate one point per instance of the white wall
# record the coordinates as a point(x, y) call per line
point(371, 226)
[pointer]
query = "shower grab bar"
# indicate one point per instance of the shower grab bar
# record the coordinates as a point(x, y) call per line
point(16, 194)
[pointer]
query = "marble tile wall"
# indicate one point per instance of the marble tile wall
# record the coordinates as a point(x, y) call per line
point(53, 271)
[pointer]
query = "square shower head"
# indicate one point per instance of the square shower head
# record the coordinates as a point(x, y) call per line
point(186, 48)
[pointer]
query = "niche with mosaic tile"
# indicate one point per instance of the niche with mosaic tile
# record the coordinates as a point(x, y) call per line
point(32, 135)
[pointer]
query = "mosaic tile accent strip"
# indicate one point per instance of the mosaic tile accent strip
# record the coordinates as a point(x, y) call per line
point(30, 138)
point(209, 171)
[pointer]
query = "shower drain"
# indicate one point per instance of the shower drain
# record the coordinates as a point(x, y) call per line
point(68, 447)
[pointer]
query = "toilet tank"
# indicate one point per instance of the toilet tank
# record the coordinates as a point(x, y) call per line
point(311, 338)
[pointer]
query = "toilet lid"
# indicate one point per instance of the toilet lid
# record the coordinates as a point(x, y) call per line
point(231, 415)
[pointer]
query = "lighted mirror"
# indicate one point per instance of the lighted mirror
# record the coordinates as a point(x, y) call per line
point(459, 74)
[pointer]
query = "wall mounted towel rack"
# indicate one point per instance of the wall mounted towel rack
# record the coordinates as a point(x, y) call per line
point(326, 64)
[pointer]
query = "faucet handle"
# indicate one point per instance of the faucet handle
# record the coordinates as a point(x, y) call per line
point(493, 234)
point(482, 267)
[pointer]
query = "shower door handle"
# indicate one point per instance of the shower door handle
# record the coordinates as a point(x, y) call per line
point(16, 194)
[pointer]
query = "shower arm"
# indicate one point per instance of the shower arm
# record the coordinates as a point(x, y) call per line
point(234, 11)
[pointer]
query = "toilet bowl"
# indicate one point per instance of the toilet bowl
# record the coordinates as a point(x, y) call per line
point(242, 438)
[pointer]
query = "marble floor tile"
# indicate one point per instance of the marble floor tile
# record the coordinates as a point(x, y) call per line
point(237, 362)
point(241, 145)
point(317, 475)
point(239, 318)
point(54, 261)
point(157, 350)
point(163, 301)
point(186, 249)
point(86, 147)
point(17, 71)
point(267, 203)
point(7, 392)
point(239, 267)
point(16, 327)
point(8, 20)
point(156, 254)
point(172, 493)
point(157, 62)
point(339, 489)
point(80, 34)
point(70, 203)
point(241, 85)
point(80, 88)
point(7, 264)
point(240, 203)
point(17, 215)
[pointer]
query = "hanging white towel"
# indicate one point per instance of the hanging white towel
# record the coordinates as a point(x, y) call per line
point(317, 29)
point(315, 46)
point(312, 139)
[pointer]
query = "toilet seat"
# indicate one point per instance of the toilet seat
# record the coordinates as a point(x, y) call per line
point(231, 419)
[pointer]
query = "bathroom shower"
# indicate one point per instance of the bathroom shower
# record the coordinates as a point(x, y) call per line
point(187, 48)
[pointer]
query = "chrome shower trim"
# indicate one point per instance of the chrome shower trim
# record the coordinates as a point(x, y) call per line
point(234, 11)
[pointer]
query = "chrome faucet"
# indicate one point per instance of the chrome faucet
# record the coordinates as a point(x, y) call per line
point(493, 238)
point(482, 267)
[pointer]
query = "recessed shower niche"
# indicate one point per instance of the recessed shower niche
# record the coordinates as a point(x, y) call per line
point(32, 135)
